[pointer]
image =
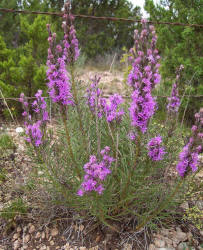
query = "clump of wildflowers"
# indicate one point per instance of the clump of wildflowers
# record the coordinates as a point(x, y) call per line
point(143, 76)
point(174, 100)
point(189, 156)
point(96, 173)
point(35, 131)
point(155, 151)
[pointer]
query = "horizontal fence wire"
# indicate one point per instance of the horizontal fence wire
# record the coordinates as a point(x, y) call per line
point(105, 96)
point(60, 14)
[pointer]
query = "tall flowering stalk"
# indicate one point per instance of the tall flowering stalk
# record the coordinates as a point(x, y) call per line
point(189, 156)
point(144, 76)
point(71, 54)
point(94, 98)
point(71, 50)
point(174, 99)
point(35, 131)
point(59, 83)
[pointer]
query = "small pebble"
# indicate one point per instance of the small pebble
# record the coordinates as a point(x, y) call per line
point(54, 232)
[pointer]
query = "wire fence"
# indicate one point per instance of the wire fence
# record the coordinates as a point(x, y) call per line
point(60, 14)
point(105, 96)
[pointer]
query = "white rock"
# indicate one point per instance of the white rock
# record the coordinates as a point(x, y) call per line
point(159, 243)
point(15, 236)
point(127, 247)
point(152, 247)
point(37, 236)
point(43, 247)
point(165, 231)
point(168, 241)
point(52, 243)
point(32, 229)
point(43, 235)
point(165, 248)
point(27, 238)
point(19, 130)
point(16, 245)
point(181, 236)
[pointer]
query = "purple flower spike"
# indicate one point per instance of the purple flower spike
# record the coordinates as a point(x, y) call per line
point(189, 156)
point(112, 111)
point(155, 151)
point(174, 100)
point(94, 99)
point(96, 173)
point(58, 80)
point(70, 42)
point(143, 76)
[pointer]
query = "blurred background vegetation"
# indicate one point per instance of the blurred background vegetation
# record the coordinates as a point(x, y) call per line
point(23, 43)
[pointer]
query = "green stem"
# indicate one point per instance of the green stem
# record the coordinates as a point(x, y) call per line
point(137, 153)
point(69, 141)
point(123, 194)
point(75, 96)
point(160, 207)
point(50, 171)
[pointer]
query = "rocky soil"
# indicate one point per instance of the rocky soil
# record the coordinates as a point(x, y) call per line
point(56, 229)
point(29, 232)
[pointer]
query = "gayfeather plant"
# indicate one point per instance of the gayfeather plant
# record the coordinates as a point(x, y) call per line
point(109, 188)
point(155, 151)
point(143, 77)
point(96, 172)
point(189, 156)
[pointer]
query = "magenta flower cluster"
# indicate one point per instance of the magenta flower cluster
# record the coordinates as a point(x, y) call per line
point(143, 76)
point(35, 131)
point(155, 151)
point(96, 172)
point(189, 156)
point(58, 80)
